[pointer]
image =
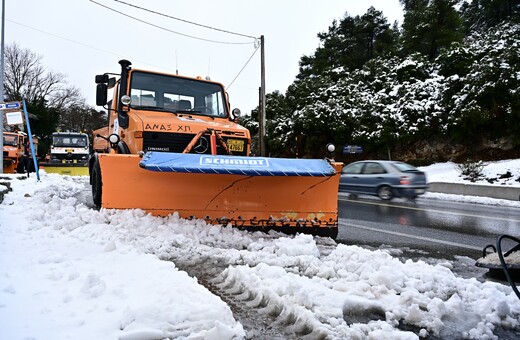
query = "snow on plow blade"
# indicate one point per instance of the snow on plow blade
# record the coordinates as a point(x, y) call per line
point(289, 195)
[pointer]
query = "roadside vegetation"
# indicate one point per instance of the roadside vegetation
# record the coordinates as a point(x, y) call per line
point(53, 104)
point(445, 85)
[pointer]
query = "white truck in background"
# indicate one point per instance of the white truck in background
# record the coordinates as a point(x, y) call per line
point(68, 154)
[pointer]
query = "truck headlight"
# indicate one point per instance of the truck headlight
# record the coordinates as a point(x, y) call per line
point(113, 138)
point(125, 100)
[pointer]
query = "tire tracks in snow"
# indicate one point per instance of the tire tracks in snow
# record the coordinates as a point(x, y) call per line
point(257, 325)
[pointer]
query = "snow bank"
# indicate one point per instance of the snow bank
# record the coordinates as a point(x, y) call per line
point(69, 271)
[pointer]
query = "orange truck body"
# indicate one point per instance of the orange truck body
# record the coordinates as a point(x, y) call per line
point(14, 151)
point(99, 142)
point(167, 115)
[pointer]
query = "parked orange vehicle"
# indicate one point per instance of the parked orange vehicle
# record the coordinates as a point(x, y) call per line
point(176, 147)
point(14, 152)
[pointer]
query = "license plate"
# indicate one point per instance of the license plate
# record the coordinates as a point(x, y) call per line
point(235, 145)
point(419, 191)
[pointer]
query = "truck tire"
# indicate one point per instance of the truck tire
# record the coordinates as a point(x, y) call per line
point(20, 168)
point(95, 180)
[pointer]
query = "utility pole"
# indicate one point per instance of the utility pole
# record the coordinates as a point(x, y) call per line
point(261, 114)
point(2, 89)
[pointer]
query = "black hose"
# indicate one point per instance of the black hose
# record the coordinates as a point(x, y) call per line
point(485, 252)
point(503, 262)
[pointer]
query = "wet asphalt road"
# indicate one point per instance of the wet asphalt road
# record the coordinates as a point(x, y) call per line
point(440, 228)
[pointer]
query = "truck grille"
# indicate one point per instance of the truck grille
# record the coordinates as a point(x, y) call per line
point(177, 142)
point(69, 157)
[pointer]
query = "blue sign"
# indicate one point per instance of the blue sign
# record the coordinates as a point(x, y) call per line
point(13, 105)
point(352, 149)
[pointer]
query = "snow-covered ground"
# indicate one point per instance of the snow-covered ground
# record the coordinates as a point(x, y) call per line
point(502, 173)
point(68, 271)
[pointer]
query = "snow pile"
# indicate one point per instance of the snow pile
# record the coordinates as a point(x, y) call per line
point(501, 173)
point(69, 271)
point(66, 273)
point(354, 293)
point(506, 172)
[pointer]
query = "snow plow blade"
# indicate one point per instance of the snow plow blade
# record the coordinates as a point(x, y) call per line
point(66, 169)
point(9, 167)
point(255, 193)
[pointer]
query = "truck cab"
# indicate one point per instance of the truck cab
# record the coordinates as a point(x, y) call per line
point(69, 148)
point(153, 111)
point(14, 152)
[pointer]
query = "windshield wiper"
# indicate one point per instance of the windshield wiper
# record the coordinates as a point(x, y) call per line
point(156, 108)
point(172, 110)
point(147, 107)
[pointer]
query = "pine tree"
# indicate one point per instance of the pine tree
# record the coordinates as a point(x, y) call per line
point(350, 43)
point(430, 26)
point(481, 15)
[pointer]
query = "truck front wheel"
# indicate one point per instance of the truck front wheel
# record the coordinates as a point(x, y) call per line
point(95, 180)
point(20, 168)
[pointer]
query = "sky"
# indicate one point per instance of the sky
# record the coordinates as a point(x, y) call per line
point(68, 271)
point(81, 38)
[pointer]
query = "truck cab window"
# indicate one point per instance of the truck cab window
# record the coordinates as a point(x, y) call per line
point(214, 102)
point(143, 97)
point(177, 94)
point(10, 140)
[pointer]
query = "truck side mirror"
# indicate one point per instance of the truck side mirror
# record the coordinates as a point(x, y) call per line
point(101, 78)
point(101, 94)
point(111, 82)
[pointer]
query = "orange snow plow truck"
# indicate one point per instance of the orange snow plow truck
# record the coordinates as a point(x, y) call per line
point(14, 151)
point(175, 147)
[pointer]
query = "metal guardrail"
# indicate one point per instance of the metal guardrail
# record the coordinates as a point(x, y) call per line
point(492, 191)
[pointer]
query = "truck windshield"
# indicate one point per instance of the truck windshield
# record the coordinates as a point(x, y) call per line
point(70, 141)
point(10, 140)
point(176, 94)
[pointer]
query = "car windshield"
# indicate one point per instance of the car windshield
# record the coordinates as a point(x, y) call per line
point(404, 167)
point(177, 94)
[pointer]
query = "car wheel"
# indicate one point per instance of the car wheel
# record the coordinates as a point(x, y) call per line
point(95, 178)
point(385, 193)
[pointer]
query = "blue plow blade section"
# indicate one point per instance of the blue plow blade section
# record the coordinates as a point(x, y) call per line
point(235, 165)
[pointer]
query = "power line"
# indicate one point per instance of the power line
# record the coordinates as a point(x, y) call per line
point(169, 30)
point(243, 67)
point(77, 42)
point(186, 35)
point(60, 37)
point(186, 21)
point(119, 55)
point(115, 54)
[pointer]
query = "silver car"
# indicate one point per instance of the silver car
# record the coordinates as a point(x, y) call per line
point(386, 179)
